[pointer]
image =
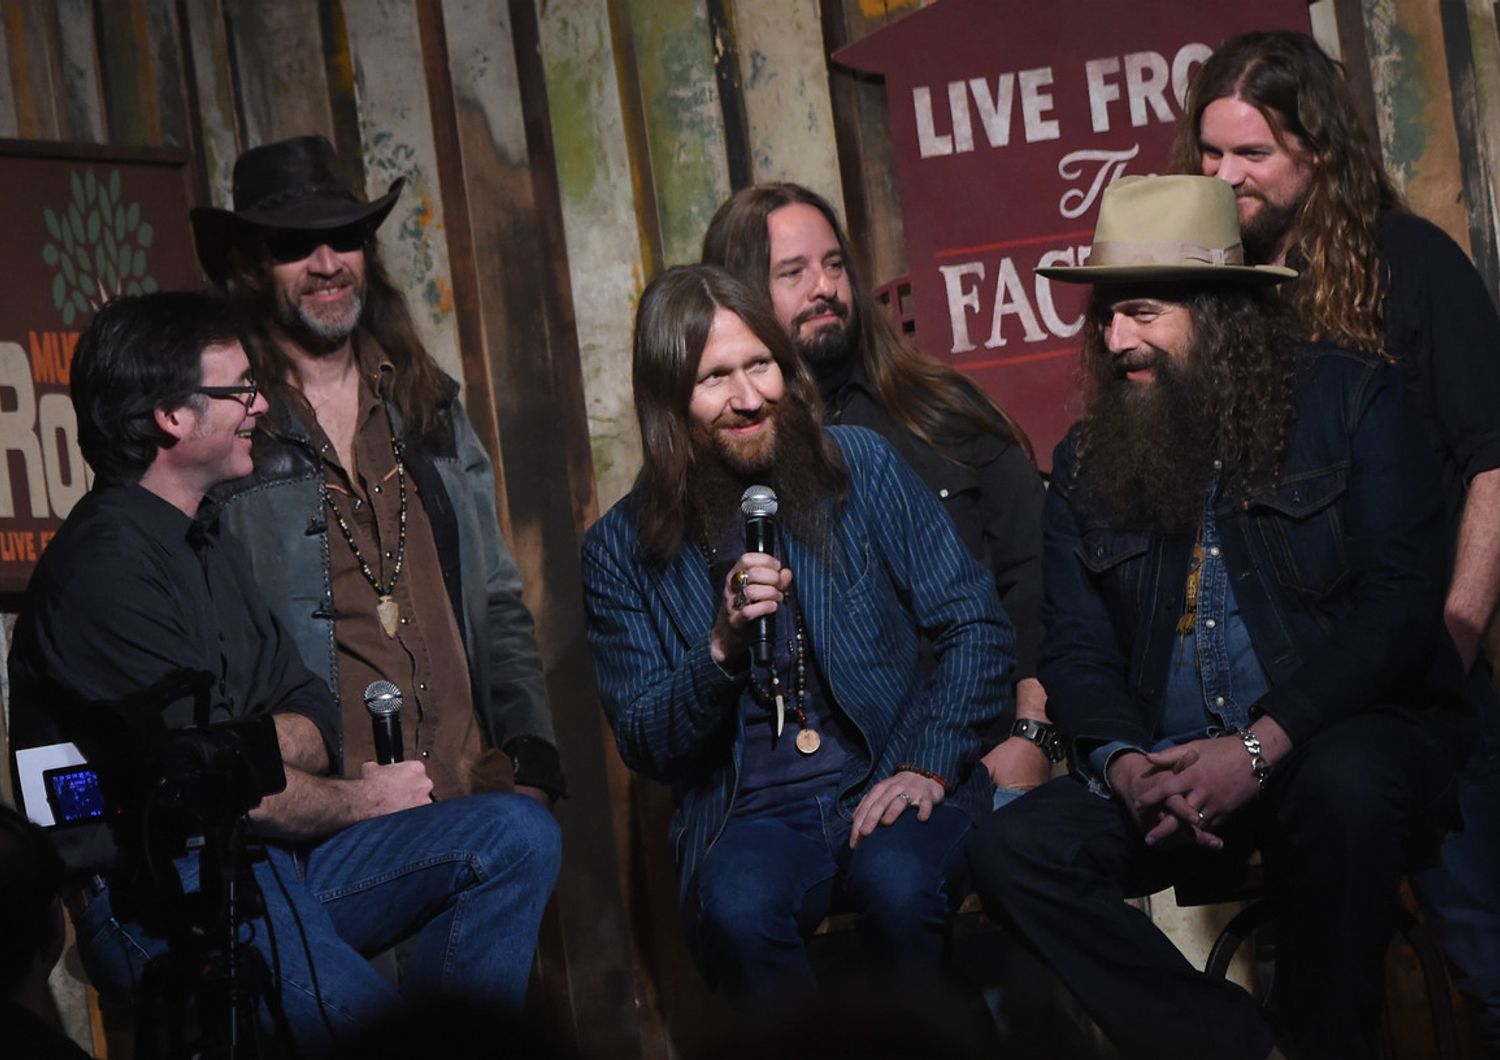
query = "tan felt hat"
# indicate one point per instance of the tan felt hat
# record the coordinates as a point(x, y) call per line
point(1168, 229)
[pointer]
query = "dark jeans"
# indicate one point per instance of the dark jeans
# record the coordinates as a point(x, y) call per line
point(1461, 896)
point(772, 877)
point(1335, 828)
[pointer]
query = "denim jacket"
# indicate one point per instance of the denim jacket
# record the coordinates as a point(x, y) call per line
point(1338, 568)
point(277, 513)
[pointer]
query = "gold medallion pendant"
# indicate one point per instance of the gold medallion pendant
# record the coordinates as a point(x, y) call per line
point(390, 614)
point(808, 741)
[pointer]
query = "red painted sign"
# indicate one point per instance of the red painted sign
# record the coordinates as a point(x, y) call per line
point(1007, 120)
point(83, 224)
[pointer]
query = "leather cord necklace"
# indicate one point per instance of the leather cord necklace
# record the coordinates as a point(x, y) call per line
point(386, 608)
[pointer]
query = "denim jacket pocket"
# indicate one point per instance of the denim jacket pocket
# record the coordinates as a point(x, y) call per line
point(1115, 558)
point(1301, 526)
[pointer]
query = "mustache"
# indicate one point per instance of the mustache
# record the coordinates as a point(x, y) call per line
point(835, 306)
point(731, 418)
point(1149, 357)
point(309, 285)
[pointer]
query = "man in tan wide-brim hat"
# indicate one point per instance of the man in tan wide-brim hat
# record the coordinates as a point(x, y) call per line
point(1243, 559)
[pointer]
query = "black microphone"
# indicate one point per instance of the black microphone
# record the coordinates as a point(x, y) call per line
point(758, 505)
point(383, 701)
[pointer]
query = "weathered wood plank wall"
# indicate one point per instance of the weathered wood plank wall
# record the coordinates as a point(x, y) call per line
point(558, 154)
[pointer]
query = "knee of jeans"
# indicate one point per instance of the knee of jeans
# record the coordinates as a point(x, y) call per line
point(520, 828)
point(736, 901)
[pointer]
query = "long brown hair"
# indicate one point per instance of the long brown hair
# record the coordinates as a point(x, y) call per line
point(936, 402)
point(419, 386)
point(671, 329)
point(1303, 94)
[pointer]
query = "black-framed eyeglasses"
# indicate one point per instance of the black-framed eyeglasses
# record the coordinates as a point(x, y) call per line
point(245, 393)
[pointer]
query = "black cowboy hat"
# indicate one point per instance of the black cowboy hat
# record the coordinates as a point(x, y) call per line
point(289, 184)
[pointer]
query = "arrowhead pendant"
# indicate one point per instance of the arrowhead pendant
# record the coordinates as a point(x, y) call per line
point(390, 613)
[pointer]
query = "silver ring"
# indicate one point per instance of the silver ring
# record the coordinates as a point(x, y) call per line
point(1202, 820)
point(904, 795)
point(741, 601)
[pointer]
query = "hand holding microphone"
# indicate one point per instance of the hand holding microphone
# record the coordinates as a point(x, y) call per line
point(754, 589)
point(389, 791)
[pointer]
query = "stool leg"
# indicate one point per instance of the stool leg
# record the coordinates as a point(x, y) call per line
point(1435, 979)
point(1247, 921)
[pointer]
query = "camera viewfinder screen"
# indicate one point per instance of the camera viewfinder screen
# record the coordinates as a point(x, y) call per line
point(74, 794)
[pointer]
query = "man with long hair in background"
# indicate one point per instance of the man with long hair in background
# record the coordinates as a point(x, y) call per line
point(1274, 116)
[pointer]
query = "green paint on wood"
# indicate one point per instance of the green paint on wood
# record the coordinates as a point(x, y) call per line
point(684, 126)
point(1402, 93)
point(575, 73)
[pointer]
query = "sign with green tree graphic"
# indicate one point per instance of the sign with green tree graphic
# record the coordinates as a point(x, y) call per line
point(85, 224)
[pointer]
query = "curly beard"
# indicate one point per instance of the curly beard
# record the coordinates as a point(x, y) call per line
point(1147, 451)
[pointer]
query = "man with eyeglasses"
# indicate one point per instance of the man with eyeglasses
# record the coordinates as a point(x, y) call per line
point(370, 518)
point(139, 593)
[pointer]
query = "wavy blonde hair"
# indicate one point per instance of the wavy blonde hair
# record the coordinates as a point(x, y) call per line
point(1304, 96)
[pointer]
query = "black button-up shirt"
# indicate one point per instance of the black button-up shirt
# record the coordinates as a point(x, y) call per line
point(130, 592)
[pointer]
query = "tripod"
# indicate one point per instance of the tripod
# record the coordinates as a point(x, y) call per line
point(202, 998)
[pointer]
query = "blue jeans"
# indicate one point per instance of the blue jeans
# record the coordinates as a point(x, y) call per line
point(463, 882)
point(771, 877)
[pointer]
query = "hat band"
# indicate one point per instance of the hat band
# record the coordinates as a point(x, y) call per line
point(297, 194)
point(1127, 252)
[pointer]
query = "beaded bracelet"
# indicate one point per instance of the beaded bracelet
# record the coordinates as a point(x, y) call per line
point(907, 767)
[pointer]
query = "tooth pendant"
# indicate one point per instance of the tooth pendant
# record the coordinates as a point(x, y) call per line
point(390, 614)
point(780, 713)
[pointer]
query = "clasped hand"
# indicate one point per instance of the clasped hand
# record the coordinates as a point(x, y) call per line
point(1182, 794)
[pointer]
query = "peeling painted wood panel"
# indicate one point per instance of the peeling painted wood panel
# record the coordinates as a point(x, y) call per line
point(83, 100)
point(395, 124)
point(1484, 37)
point(602, 236)
point(213, 85)
point(165, 78)
point(787, 101)
point(862, 131)
point(684, 126)
point(497, 88)
point(31, 37)
point(1414, 108)
point(9, 126)
point(130, 99)
point(280, 83)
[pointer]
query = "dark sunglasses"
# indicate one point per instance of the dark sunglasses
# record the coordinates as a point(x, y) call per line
point(288, 245)
point(244, 394)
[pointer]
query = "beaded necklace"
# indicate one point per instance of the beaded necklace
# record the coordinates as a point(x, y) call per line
point(773, 697)
point(386, 608)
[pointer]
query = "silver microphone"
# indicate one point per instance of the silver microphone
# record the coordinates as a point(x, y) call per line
point(384, 701)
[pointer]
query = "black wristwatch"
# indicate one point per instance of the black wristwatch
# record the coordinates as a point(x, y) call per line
point(1043, 735)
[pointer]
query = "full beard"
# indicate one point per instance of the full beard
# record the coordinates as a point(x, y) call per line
point(1264, 234)
point(832, 343)
point(1147, 451)
point(789, 464)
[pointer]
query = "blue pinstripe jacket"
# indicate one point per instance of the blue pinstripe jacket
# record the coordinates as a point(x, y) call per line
point(899, 571)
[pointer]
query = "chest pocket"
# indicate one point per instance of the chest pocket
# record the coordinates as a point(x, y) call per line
point(1117, 561)
point(1301, 527)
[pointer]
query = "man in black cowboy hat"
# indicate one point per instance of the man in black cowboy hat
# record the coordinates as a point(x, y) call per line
point(1244, 590)
point(370, 517)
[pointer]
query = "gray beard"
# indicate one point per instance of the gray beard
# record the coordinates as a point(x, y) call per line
point(296, 320)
